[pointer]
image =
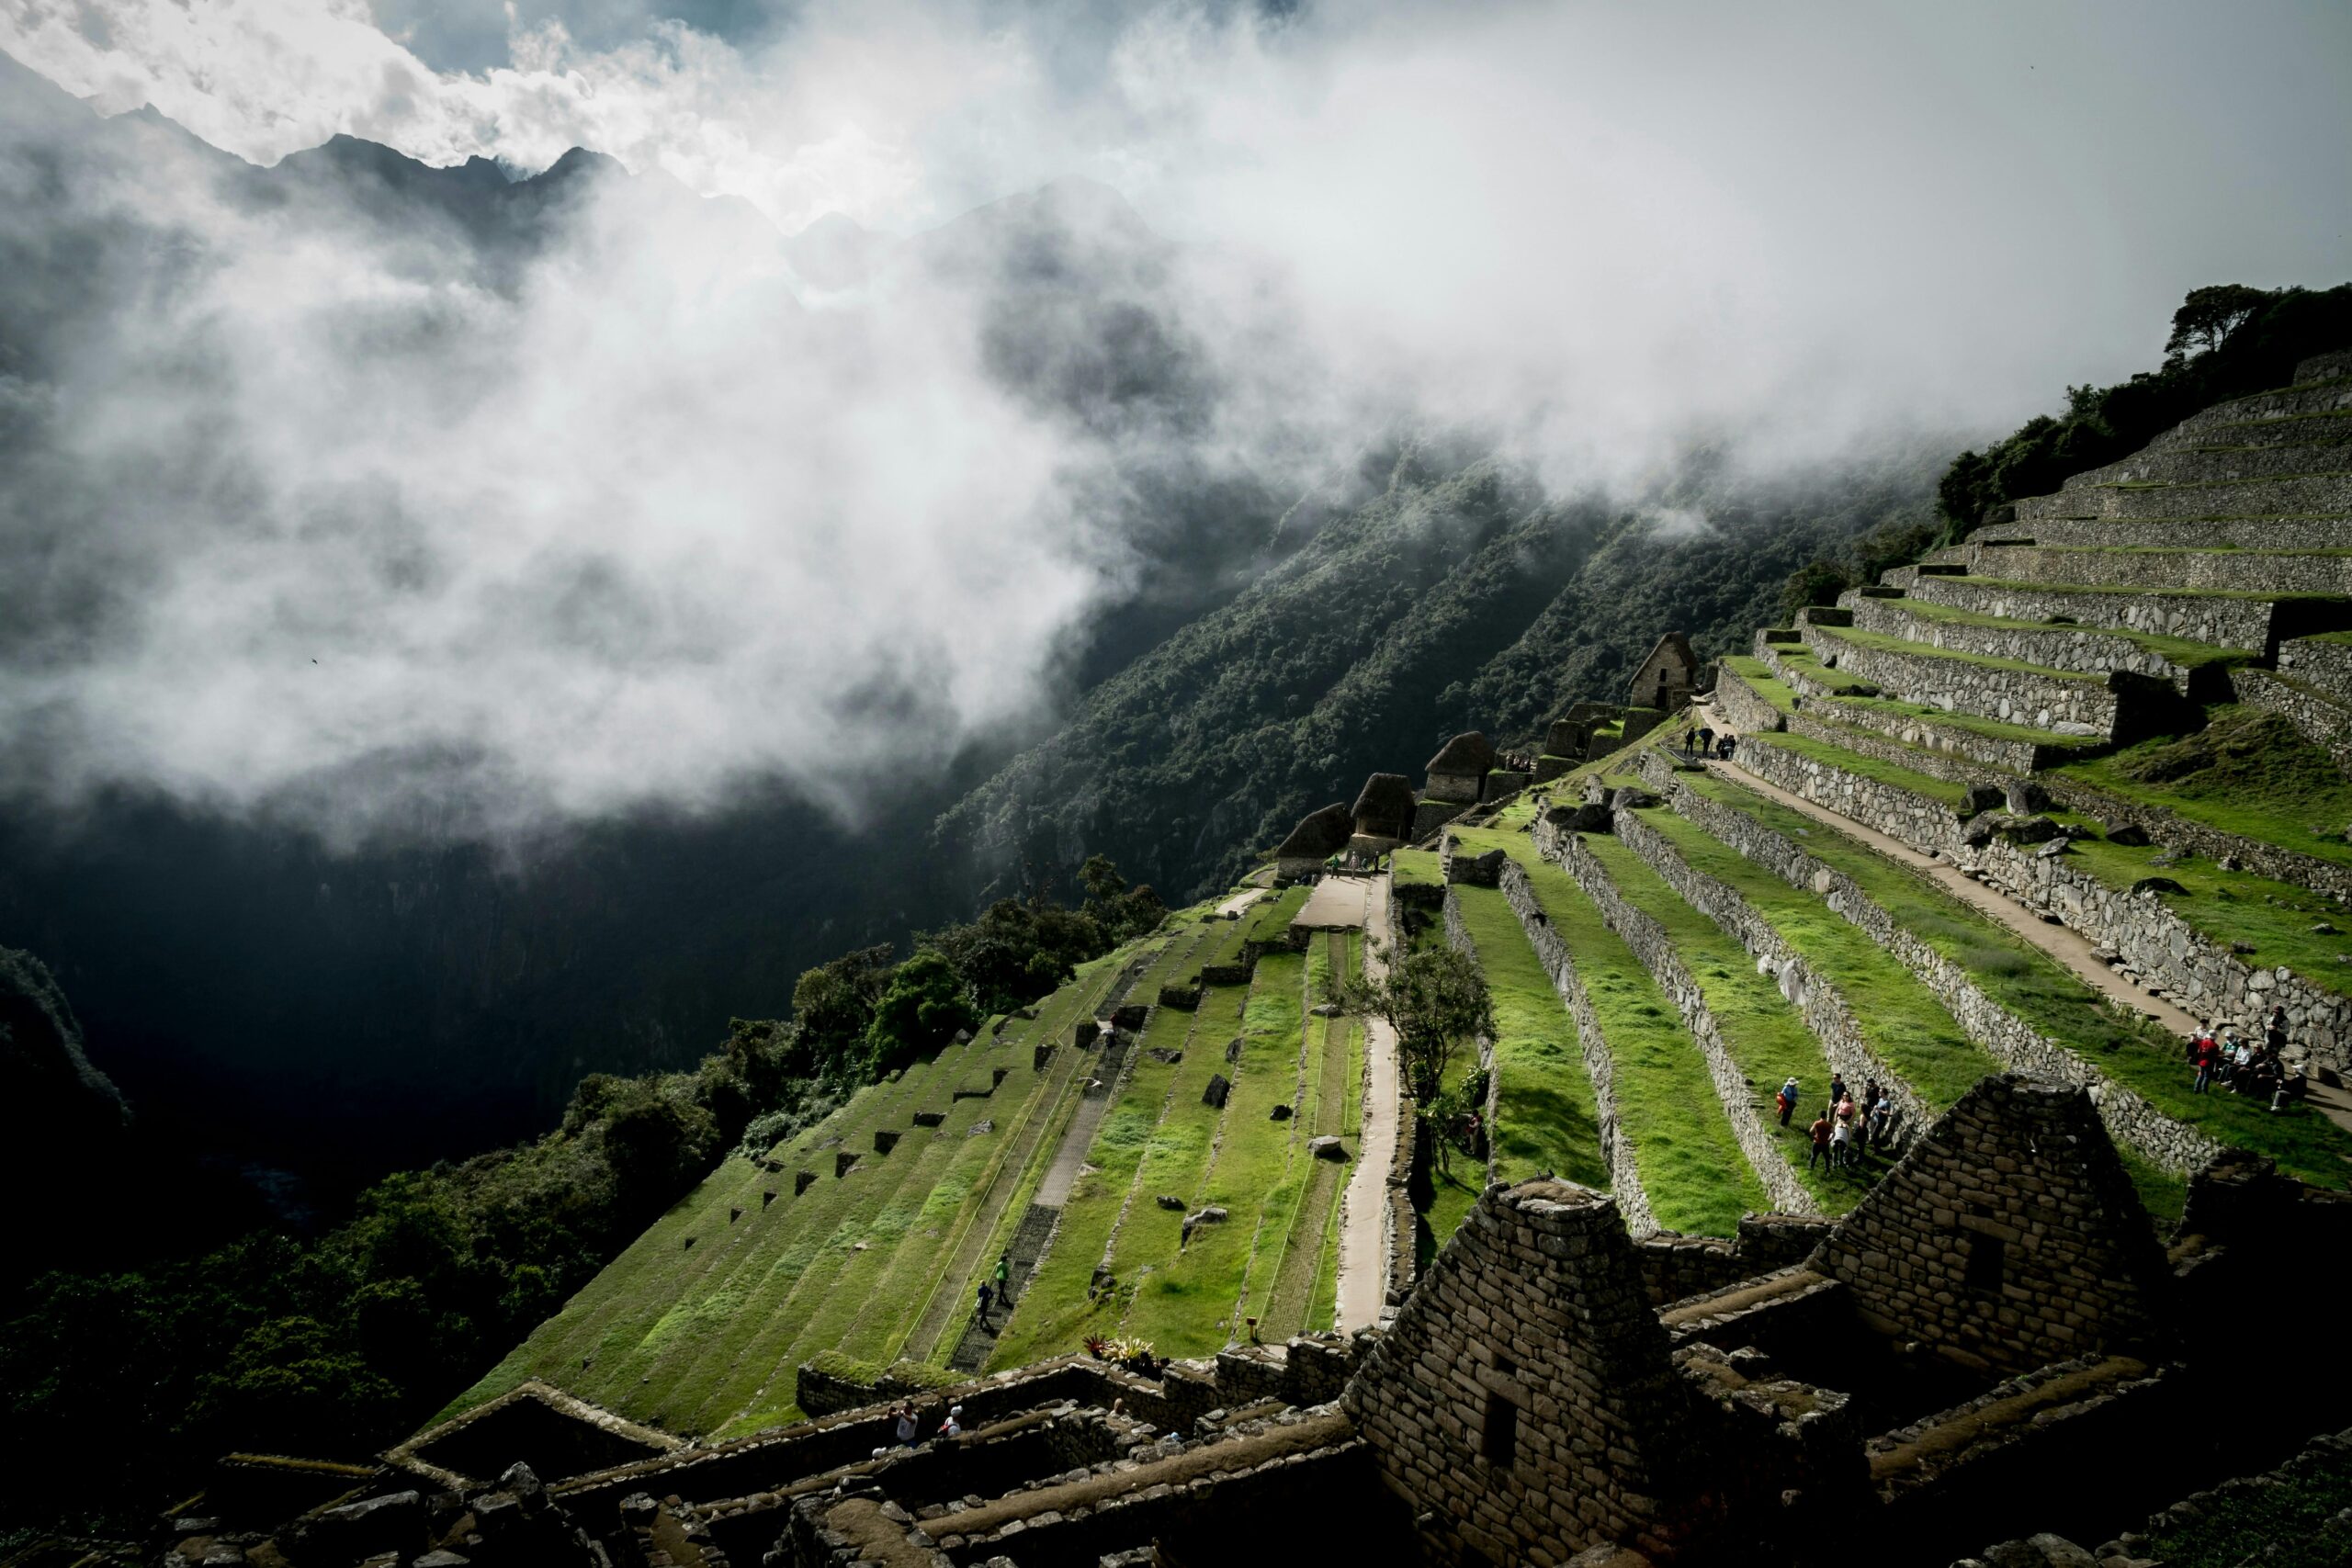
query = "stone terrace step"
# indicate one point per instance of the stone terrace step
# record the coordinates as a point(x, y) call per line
point(2326, 491)
point(2238, 572)
point(2279, 430)
point(2188, 668)
point(2254, 622)
point(2067, 702)
point(2324, 663)
point(2268, 532)
point(1755, 698)
point(2326, 392)
point(2221, 462)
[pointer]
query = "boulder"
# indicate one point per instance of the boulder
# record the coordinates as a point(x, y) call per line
point(2024, 796)
point(1578, 819)
point(1170, 1203)
point(2127, 833)
point(393, 1522)
point(2054, 848)
point(1625, 797)
point(2028, 829)
point(1219, 1086)
point(1981, 797)
point(1326, 1147)
point(2157, 884)
point(1280, 1114)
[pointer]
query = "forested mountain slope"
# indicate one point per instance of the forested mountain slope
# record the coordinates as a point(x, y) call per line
point(1461, 597)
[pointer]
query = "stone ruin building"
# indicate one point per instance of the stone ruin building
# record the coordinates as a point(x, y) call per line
point(1551, 1390)
point(1384, 812)
point(1318, 836)
point(1664, 679)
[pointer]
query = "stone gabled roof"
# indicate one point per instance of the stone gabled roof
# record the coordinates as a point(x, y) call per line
point(1319, 833)
point(1469, 753)
point(1386, 797)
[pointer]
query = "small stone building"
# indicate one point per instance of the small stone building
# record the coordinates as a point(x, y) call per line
point(1318, 836)
point(1458, 771)
point(1384, 811)
point(1664, 679)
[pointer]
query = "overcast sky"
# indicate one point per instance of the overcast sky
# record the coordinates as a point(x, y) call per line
point(1599, 232)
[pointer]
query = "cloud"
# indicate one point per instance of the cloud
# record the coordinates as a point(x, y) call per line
point(662, 517)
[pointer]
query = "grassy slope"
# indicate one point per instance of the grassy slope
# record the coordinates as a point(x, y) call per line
point(1188, 1307)
point(1054, 1313)
point(1765, 1037)
point(1899, 1019)
point(1690, 1165)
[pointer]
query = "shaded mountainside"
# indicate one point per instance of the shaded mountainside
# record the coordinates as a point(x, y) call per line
point(1461, 597)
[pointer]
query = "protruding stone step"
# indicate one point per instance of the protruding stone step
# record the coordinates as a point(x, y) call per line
point(844, 1163)
point(800, 1180)
point(2323, 663)
point(885, 1140)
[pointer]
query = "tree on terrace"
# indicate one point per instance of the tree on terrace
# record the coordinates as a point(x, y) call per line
point(1437, 1001)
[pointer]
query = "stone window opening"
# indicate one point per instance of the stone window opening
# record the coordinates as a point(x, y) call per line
point(1499, 1441)
point(1987, 1262)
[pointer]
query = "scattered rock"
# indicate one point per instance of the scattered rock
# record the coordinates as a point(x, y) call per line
point(1279, 1113)
point(2054, 848)
point(1170, 1203)
point(2241, 948)
point(1326, 1147)
point(1325, 1009)
point(2130, 835)
point(2025, 797)
point(1219, 1086)
point(1981, 797)
point(2157, 884)
point(2028, 829)
point(2324, 929)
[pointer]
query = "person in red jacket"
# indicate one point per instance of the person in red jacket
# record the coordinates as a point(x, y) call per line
point(2209, 1054)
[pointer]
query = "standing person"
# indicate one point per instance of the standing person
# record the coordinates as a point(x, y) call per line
point(1841, 1144)
point(1788, 1098)
point(1004, 1279)
point(1706, 738)
point(903, 1424)
point(1819, 1133)
point(1837, 1091)
point(1869, 1095)
point(1881, 1113)
point(2197, 1037)
point(954, 1426)
point(987, 1295)
point(2275, 1034)
point(2208, 1054)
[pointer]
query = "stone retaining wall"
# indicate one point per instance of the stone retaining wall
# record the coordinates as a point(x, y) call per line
point(2186, 532)
point(1654, 948)
point(1960, 685)
point(2325, 667)
point(2237, 571)
point(2180, 463)
point(2323, 719)
point(1676, 1267)
point(2170, 1143)
point(2222, 623)
point(2156, 945)
point(2059, 648)
point(2305, 495)
point(1616, 1149)
point(2257, 855)
point(1743, 706)
point(1938, 750)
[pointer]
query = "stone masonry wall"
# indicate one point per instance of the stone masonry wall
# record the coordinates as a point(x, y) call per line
point(2325, 667)
point(1817, 1001)
point(2244, 571)
point(2308, 495)
point(1532, 1322)
point(1938, 750)
point(2172, 1144)
point(2224, 623)
point(2009, 1239)
point(2322, 719)
point(1957, 685)
point(2155, 943)
point(2189, 532)
point(2064, 648)
point(1625, 1178)
point(1651, 944)
point(1741, 703)
point(2257, 855)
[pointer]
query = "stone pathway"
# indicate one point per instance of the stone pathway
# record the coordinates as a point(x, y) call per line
point(1337, 903)
point(2065, 944)
point(1240, 901)
point(1364, 1206)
